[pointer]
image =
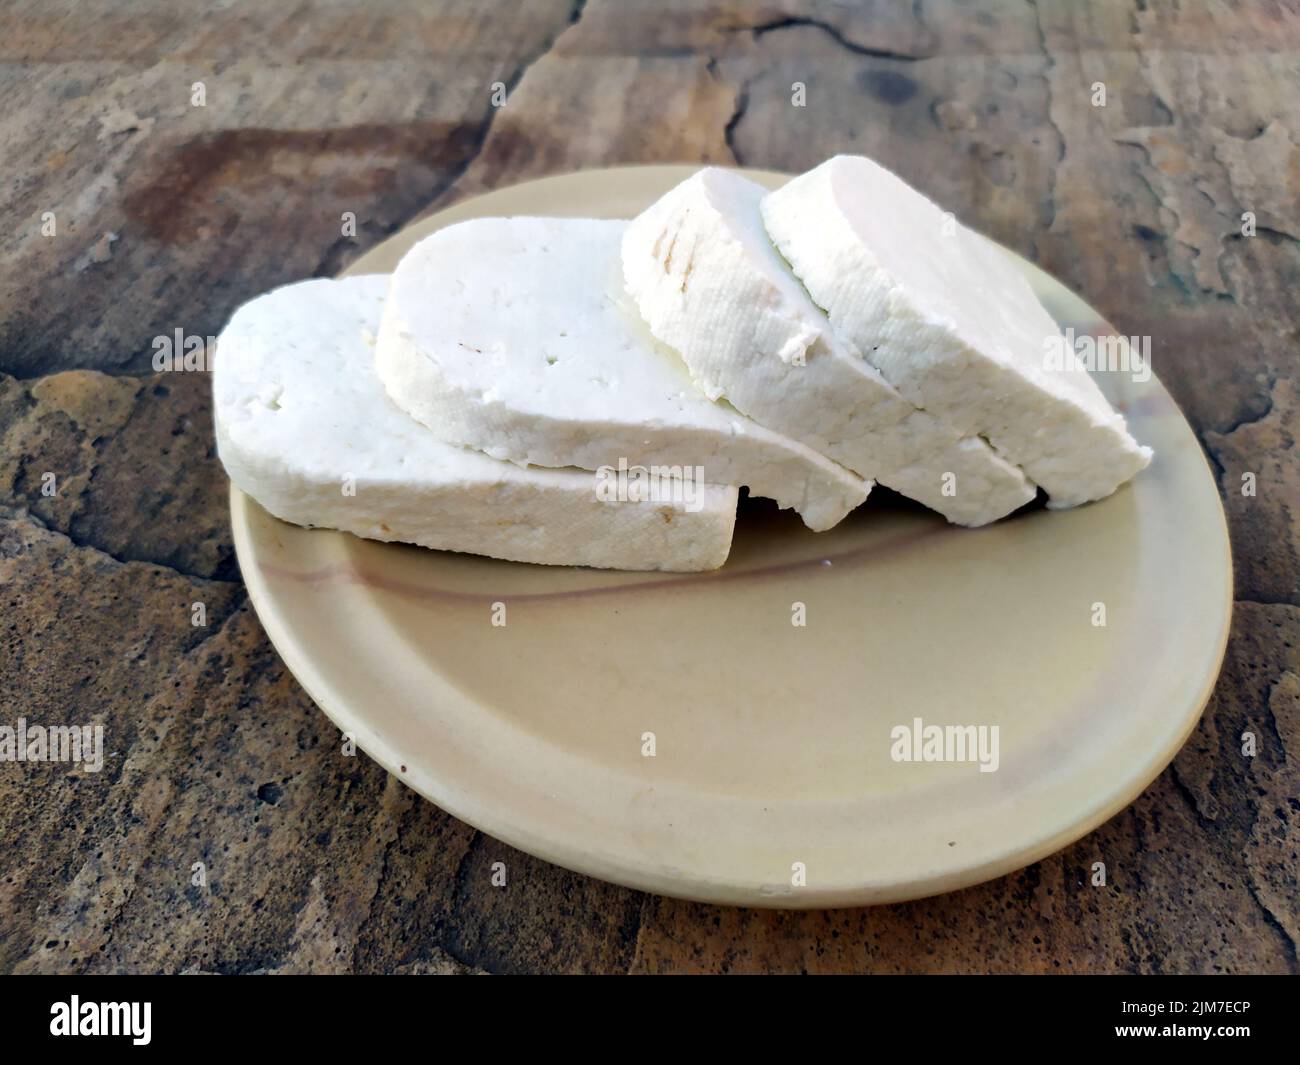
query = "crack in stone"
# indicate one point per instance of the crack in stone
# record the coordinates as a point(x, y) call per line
point(1049, 62)
point(1266, 231)
point(636, 938)
point(1183, 789)
point(729, 130)
point(1266, 712)
point(1192, 286)
point(1188, 288)
point(84, 510)
point(1272, 920)
point(1252, 601)
point(20, 513)
point(462, 960)
point(1140, 887)
point(1241, 423)
point(385, 861)
point(1245, 420)
point(385, 866)
point(791, 21)
point(329, 264)
point(460, 891)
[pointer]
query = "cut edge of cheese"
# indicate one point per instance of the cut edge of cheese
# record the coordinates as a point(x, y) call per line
point(514, 336)
point(304, 426)
point(952, 323)
point(710, 284)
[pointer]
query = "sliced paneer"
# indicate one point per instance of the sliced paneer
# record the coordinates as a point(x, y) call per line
point(950, 322)
point(306, 429)
point(710, 284)
point(514, 336)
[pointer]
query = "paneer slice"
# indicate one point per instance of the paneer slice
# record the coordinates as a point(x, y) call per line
point(951, 323)
point(515, 336)
point(305, 428)
point(710, 284)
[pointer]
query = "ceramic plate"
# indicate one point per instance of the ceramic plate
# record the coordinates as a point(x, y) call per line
point(773, 779)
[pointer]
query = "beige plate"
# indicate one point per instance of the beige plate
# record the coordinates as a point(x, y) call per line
point(773, 741)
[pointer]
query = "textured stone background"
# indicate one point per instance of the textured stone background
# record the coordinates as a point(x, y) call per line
point(169, 215)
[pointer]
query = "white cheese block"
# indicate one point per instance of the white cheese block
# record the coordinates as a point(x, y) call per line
point(306, 429)
point(951, 323)
point(710, 284)
point(514, 336)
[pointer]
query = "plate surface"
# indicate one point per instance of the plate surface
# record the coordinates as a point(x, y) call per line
point(772, 741)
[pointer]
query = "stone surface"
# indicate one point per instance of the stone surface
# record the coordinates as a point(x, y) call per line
point(166, 215)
